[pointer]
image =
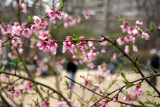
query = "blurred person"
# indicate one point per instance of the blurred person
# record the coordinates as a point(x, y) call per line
point(71, 69)
point(154, 65)
point(113, 65)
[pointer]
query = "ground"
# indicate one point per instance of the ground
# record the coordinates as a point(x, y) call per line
point(50, 80)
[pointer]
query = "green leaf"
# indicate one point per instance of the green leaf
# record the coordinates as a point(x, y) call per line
point(30, 18)
point(36, 38)
point(1, 68)
point(76, 37)
point(41, 88)
point(153, 27)
point(149, 93)
point(150, 102)
point(151, 71)
point(133, 68)
point(34, 75)
point(142, 104)
point(62, 4)
point(129, 84)
point(124, 76)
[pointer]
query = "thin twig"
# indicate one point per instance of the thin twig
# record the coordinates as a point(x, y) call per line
point(38, 83)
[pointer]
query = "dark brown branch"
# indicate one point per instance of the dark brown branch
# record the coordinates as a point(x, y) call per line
point(4, 100)
point(119, 89)
point(100, 94)
point(8, 84)
point(134, 63)
point(38, 83)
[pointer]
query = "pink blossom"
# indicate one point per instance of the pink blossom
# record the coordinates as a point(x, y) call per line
point(103, 43)
point(90, 43)
point(17, 93)
point(158, 27)
point(87, 15)
point(10, 86)
point(127, 98)
point(70, 46)
point(24, 8)
point(44, 36)
point(63, 60)
point(105, 102)
point(138, 23)
point(53, 46)
point(65, 16)
point(124, 26)
point(20, 2)
point(145, 36)
point(11, 95)
point(43, 24)
point(16, 41)
point(70, 89)
point(16, 30)
point(135, 32)
point(34, 105)
point(34, 29)
point(45, 68)
point(51, 13)
point(38, 71)
point(127, 38)
point(81, 37)
point(59, 67)
point(103, 50)
point(137, 90)
point(27, 33)
point(59, 15)
point(37, 20)
point(96, 86)
point(4, 78)
point(127, 49)
point(60, 104)
point(28, 85)
point(135, 49)
point(132, 38)
point(23, 25)
point(115, 55)
point(91, 65)
point(72, 22)
point(86, 82)
point(78, 19)
point(71, 103)
point(130, 30)
point(20, 50)
point(52, 20)
point(45, 104)
point(120, 41)
point(65, 24)
point(115, 99)
point(101, 68)
point(82, 46)
point(43, 45)
point(35, 57)
point(68, 38)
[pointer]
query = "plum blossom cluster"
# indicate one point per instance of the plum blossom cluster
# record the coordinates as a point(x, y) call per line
point(12, 93)
point(63, 104)
point(131, 34)
point(55, 13)
point(41, 104)
point(103, 103)
point(23, 6)
point(137, 91)
point(59, 64)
